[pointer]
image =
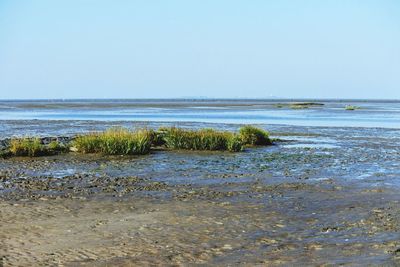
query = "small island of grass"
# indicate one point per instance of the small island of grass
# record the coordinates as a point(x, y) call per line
point(299, 105)
point(350, 107)
point(122, 141)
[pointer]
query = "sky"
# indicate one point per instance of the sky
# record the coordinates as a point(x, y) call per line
point(201, 48)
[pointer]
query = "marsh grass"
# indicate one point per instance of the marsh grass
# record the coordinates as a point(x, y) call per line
point(298, 105)
point(121, 141)
point(116, 141)
point(350, 107)
point(204, 139)
point(254, 136)
point(33, 147)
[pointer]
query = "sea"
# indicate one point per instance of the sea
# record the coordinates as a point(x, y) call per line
point(315, 112)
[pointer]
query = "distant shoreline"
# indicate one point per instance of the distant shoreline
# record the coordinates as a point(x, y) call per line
point(203, 100)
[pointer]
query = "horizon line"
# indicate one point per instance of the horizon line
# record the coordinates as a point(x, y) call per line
point(201, 99)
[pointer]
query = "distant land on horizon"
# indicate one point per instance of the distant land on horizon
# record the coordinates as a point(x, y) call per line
point(203, 99)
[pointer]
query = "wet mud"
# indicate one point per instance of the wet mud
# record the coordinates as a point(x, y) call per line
point(320, 196)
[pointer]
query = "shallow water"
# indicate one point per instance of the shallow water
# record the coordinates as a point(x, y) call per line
point(369, 156)
point(331, 113)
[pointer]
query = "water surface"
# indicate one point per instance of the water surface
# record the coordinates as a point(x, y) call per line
point(332, 113)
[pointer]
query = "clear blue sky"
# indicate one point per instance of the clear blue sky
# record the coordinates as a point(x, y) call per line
point(211, 48)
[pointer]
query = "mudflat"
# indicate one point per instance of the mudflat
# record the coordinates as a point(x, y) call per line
point(251, 224)
point(318, 196)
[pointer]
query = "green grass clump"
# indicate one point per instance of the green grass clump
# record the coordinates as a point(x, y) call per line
point(116, 141)
point(204, 139)
point(299, 105)
point(254, 136)
point(31, 147)
point(350, 107)
point(235, 143)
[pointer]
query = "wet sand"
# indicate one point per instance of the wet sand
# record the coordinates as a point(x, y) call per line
point(260, 225)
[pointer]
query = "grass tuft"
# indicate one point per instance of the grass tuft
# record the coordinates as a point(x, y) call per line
point(116, 141)
point(33, 147)
point(235, 143)
point(254, 136)
point(204, 139)
point(350, 107)
point(299, 105)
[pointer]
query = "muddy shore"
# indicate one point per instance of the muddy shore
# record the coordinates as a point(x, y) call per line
point(324, 197)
